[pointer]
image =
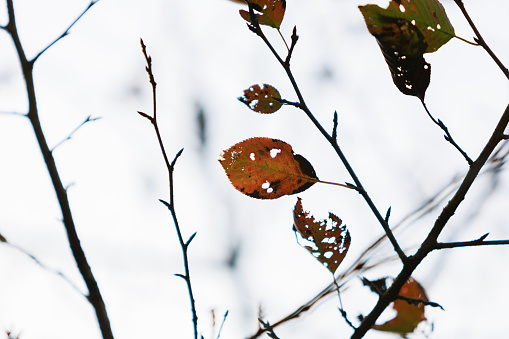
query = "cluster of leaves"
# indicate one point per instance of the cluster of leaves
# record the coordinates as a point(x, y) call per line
point(267, 168)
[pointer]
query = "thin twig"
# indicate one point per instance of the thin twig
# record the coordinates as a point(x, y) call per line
point(94, 295)
point(171, 204)
point(477, 242)
point(66, 32)
point(88, 119)
point(255, 27)
point(222, 324)
point(480, 40)
point(447, 135)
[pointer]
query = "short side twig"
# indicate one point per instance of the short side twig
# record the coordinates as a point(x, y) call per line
point(66, 32)
point(70, 135)
point(171, 204)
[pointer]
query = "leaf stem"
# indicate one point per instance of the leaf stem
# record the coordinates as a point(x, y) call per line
point(447, 135)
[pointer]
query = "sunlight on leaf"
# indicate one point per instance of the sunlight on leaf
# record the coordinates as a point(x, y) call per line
point(266, 168)
point(409, 315)
point(261, 98)
point(269, 12)
point(328, 238)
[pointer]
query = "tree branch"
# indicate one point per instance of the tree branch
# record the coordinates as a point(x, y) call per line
point(94, 295)
point(254, 26)
point(66, 32)
point(479, 39)
point(171, 205)
point(430, 243)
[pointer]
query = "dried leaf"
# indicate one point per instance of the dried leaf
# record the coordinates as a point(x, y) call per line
point(269, 12)
point(266, 168)
point(409, 315)
point(428, 16)
point(261, 98)
point(405, 30)
point(330, 240)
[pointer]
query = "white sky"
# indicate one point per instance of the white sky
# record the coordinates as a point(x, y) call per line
point(205, 56)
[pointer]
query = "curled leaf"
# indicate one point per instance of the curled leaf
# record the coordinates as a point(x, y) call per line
point(405, 30)
point(266, 168)
point(329, 239)
point(269, 12)
point(409, 314)
point(261, 98)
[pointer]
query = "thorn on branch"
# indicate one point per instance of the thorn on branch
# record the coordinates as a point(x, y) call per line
point(145, 115)
point(179, 153)
point(190, 239)
point(165, 204)
point(180, 276)
point(387, 215)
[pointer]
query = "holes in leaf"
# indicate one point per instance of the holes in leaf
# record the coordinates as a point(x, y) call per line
point(274, 152)
point(252, 156)
point(402, 8)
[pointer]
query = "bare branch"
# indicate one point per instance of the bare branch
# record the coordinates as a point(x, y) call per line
point(170, 205)
point(88, 119)
point(66, 32)
point(479, 39)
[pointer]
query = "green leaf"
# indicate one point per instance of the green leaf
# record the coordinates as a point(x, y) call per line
point(428, 16)
point(261, 98)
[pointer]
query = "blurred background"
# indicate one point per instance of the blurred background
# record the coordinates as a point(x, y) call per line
point(245, 257)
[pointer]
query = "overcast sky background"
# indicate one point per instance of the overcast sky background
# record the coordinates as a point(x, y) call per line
point(203, 58)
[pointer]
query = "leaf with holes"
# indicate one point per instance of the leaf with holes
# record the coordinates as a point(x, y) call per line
point(266, 168)
point(329, 240)
point(405, 30)
point(261, 98)
point(409, 313)
point(427, 16)
point(269, 12)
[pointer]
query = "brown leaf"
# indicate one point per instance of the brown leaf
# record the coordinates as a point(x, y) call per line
point(270, 12)
point(409, 315)
point(261, 98)
point(266, 168)
point(329, 238)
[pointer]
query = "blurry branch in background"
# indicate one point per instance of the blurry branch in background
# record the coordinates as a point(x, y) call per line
point(94, 295)
point(88, 119)
point(171, 204)
point(44, 267)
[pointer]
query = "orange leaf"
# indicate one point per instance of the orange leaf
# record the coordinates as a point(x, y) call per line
point(271, 12)
point(330, 240)
point(409, 315)
point(261, 99)
point(266, 168)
